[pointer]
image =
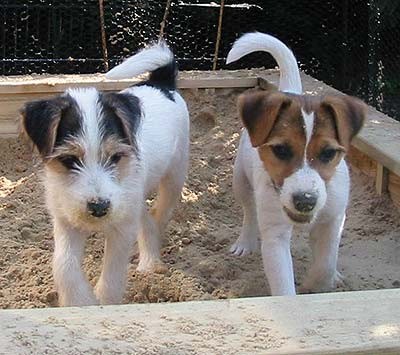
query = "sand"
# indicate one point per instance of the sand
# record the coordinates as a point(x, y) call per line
point(204, 225)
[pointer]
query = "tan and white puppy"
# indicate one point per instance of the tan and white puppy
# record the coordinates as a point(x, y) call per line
point(103, 154)
point(290, 172)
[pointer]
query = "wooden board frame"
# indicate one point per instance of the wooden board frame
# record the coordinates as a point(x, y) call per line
point(364, 322)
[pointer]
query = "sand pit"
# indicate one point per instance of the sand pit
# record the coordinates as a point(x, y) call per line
point(204, 225)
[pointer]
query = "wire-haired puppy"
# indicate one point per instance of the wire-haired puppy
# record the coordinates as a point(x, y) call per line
point(103, 154)
point(290, 172)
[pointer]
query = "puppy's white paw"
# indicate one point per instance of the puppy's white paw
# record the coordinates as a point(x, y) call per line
point(243, 246)
point(108, 294)
point(80, 301)
point(151, 265)
point(322, 283)
point(339, 280)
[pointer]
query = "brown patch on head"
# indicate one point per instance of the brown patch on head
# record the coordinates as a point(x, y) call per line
point(259, 112)
point(113, 154)
point(117, 155)
point(337, 120)
point(324, 151)
point(275, 125)
point(66, 157)
point(348, 114)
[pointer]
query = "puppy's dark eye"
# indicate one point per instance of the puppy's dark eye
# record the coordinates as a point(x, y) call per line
point(282, 151)
point(327, 154)
point(70, 161)
point(116, 158)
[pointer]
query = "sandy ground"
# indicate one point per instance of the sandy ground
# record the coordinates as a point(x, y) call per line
point(204, 225)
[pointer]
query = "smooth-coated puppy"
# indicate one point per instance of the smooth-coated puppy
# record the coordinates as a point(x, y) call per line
point(103, 154)
point(290, 172)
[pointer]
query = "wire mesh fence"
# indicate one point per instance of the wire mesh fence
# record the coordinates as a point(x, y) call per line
point(351, 45)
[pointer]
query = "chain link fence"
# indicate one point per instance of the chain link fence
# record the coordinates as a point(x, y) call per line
point(351, 45)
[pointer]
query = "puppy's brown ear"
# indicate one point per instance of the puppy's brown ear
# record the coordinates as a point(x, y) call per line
point(259, 112)
point(40, 121)
point(123, 112)
point(348, 113)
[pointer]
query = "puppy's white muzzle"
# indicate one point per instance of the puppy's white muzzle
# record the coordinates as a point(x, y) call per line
point(303, 194)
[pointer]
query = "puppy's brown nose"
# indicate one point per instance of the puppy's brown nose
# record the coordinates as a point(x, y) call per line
point(305, 201)
point(98, 208)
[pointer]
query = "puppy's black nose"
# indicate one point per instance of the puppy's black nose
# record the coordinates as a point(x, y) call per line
point(98, 208)
point(305, 201)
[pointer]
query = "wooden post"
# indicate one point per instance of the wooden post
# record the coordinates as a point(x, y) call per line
point(219, 30)
point(103, 35)
point(382, 179)
point(164, 20)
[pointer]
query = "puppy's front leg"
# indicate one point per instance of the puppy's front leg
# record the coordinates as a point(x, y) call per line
point(324, 239)
point(118, 248)
point(71, 283)
point(277, 259)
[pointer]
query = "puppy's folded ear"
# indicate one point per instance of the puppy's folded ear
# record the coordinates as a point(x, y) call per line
point(123, 112)
point(348, 113)
point(40, 121)
point(259, 112)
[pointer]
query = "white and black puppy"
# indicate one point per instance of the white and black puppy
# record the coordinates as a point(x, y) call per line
point(103, 154)
point(290, 172)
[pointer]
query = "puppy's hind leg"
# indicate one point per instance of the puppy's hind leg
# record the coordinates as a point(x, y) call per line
point(244, 194)
point(169, 191)
point(149, 244)
point(155, 222)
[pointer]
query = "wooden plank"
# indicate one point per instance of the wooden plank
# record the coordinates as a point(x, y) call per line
point(14, 94)
point(366, 322)
point(218, 83)
point(54, 84)
point(9, 128)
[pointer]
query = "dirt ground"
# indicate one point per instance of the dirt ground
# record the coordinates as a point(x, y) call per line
point(204, 225)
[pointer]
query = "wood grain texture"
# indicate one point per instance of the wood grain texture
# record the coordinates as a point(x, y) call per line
point(362, 162)
point(365, 322)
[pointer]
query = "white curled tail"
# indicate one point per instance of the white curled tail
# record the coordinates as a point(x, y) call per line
point(147, 60)
point(289, 70)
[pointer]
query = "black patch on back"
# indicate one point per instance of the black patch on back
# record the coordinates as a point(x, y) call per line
point(51, 121)
point(163, 79)
point(121, 116)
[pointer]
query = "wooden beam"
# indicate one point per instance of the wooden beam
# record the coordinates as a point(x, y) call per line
point(215, 83)
point(57, 85)
point(366, 322)
point(14, 93)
